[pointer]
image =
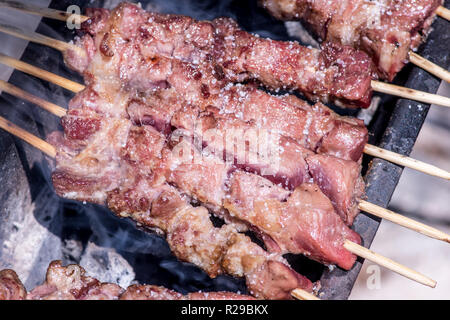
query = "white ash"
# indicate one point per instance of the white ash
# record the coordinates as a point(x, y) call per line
point(106, 265)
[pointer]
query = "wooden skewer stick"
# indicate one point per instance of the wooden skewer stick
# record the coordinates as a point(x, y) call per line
point(406, 161)
point(410, 94)
point(46, 105)
point(363, 205)
point(41, 74)
point(429, 66)
point(350, 246)
point(43, 12)
point(301, 294)
point(36, 37)
point(369, 149)
point(443, 12)
point(388, 263)
point(376, 85)
point(403, 221)
point(36, 142)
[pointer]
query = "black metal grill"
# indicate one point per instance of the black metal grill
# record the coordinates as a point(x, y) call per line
point(113, 249)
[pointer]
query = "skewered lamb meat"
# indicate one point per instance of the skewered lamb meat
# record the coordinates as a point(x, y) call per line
point(335, 73)
point(237, 107)
point(344, 187)
point(104, 157)
point(72, 283)
point(386, 29)
point(213, 194)
point(201, 178)
point(10, 286)
point(316, 128)
point(116, 170)
point(280, 159)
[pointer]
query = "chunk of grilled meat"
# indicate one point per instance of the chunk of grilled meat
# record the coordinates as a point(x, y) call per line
point(335, 73)
point(72, 283)
point(386, 29)
point(10, 286)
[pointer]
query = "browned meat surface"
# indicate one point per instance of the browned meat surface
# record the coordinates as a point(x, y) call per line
point(245, 145)
point(72, 283)
point(238, 107)
point(340, 180)
point(193, 238)
point(336, 73)
point(203, 86)
point(203, 178)
point(149, 292)
point(227, 111)
point(386, 29)
point(139, 190)
point(301, 222)
point(207, 179)
point(11, 288)
point(279, 159)
point(87, 174)
point(151, 133)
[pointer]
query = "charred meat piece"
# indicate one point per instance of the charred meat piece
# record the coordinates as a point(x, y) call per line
point(11, 288)
point(334, 73)
point(340, 180)
point(387, 30)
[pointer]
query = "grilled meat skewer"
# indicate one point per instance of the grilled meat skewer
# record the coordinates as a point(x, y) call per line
point(316, 128)
point(166, 66)
point(386, 29)
point(10, 286)
point(335, 73)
